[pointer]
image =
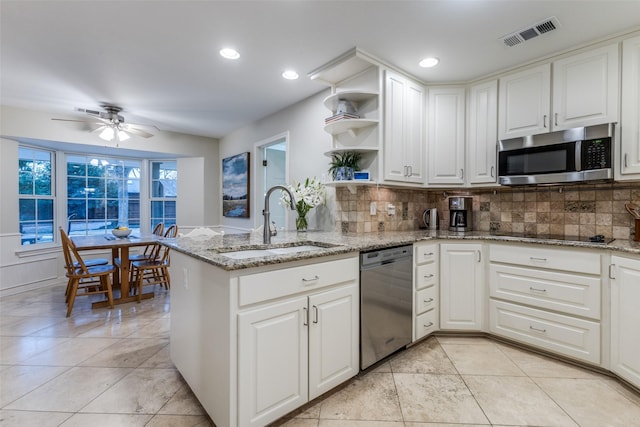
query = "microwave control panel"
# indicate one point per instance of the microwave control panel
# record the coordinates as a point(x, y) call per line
point(596, 154)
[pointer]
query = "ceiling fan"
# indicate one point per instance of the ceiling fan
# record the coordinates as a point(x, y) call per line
point(111, 124)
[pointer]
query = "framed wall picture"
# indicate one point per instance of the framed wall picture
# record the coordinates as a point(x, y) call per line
point(235, 186)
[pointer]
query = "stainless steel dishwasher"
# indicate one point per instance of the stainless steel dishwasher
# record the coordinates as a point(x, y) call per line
point(385, 302)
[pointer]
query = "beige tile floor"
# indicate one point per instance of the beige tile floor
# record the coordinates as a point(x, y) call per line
point(112, 368)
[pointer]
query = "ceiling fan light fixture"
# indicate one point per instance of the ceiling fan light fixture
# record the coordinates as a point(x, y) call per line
point(107, 133)
point(122, 135)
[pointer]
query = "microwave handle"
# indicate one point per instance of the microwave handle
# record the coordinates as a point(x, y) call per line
point(578, 156)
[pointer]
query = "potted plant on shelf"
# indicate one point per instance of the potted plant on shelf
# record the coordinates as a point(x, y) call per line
point(343, 164)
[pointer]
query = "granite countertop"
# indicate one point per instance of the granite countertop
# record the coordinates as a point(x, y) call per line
point(211, 249)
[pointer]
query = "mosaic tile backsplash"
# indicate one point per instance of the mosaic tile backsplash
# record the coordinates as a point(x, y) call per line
point(576, 210)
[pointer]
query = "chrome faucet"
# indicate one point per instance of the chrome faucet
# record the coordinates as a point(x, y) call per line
point(266, 232)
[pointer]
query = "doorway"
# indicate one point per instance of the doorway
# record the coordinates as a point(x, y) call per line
point(272, 168)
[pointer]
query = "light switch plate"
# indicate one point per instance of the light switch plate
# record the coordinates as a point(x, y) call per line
point(391, 209)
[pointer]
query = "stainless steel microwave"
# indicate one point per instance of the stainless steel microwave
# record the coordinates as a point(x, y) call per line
point(572, 155)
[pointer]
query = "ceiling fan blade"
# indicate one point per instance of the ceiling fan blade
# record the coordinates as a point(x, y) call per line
point(70, 120)
point(136, 131)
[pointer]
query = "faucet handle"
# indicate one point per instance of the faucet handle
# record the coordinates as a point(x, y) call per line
point(273, 229)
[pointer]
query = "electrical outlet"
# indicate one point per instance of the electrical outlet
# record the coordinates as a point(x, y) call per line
point(391, 209)
point(372, 208)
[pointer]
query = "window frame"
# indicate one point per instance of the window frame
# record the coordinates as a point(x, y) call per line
point(163, 199)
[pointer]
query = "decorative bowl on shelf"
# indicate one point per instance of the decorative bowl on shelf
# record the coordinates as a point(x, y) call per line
point(121, 232)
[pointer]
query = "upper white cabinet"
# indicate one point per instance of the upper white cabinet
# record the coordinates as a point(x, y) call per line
point(403, 130)
point(625, 318)
point(585, 93)
point(585, 89)
point(525, 97)
point(629, 157)
point(445, 136)
point(482, 133)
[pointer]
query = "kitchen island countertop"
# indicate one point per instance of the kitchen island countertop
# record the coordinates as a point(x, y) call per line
point(211, 249)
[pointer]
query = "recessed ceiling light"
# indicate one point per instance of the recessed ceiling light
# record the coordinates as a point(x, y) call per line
point(290, 75)
point(429, 62)
point(229, 53)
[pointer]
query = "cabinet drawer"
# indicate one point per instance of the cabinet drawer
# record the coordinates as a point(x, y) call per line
point(426, 275)
point(426, 299)
point(556, 259)
point(259, 287)
point(567, 293)
point(425, 253)
point(566, 335)
point(426, 323)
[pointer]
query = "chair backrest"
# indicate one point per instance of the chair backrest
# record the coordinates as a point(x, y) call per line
point(171, 232)
point(73, 261)
point(158, 229)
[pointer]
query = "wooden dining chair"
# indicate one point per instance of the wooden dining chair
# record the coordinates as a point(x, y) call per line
point(148, 253)
point(84, 279)
point(154, 271)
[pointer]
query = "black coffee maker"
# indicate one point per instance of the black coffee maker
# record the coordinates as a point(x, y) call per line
point(460, 213)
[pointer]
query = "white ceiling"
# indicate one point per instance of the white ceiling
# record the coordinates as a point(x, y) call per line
point(159, 59)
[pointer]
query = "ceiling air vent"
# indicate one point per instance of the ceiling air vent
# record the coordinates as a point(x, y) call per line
point(521, 36)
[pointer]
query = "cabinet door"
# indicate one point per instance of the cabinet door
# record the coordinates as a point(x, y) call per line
point(625, 319)
point(272, 361)
point(445, 147)
point(394, 146)
point(629, 159)
point(524, 103)
point(482, 133)
point(461, 287)
point(333, 338)
point(414, 133)
point(585, 89)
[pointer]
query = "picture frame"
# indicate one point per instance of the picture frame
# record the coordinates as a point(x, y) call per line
point(236, 186)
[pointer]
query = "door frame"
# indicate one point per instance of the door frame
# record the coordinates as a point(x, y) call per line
point(258, 182)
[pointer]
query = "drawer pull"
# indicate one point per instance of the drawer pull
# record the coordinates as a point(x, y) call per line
point(532, 258)
point(429, 325)
point(537, 290)
point(313, 279)
point(428, 276)
point(537, 330)
point(427, 301)
point(428, 254)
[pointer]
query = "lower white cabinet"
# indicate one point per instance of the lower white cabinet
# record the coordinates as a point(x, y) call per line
point(293, 351)
point(462, 294)
point(425, 285)
point(257, 343)
point(625, 318)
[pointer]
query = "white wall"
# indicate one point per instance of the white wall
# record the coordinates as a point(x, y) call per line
point(198, 180)
point(307, 144)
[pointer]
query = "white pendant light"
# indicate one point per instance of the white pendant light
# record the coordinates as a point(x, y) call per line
point(122, 135)
point(107, 133)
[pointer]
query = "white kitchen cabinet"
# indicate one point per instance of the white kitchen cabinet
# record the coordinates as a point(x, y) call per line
point(629, 152)
point(482, 133)
point(425, 284)
point(625, 318)
point(446, 136)
point(462, 293)
point(282, 334)
point(585, 92)
point(272, 361)
point(403, 130)
point(585, 88)
point(524, 102)
point(547, 297)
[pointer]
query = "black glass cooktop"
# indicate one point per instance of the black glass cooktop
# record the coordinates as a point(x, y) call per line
point(590, 239)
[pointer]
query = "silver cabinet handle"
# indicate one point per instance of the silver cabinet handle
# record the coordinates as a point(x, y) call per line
point(315, 314)
point(313, 279)
point(429, 325)
point(305, 316)
point(479, 256)
point(532, 258)
point(555, 119)
point(537, 330)
point(492, 171)
point(536, 289)
point(428, 276)
point(410, 168)
point(429, 254)
point(544, 121)
point(461, 173)
point(625, 160)
point(611, 270)
point(427, 301)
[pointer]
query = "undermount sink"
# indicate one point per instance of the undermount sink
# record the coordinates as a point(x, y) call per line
point(258, 253)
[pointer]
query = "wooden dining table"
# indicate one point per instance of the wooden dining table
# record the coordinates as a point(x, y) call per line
point(119, 249)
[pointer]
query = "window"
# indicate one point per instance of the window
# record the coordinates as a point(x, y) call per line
point(164, 190)
point(36, 198)
point(102, 194)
